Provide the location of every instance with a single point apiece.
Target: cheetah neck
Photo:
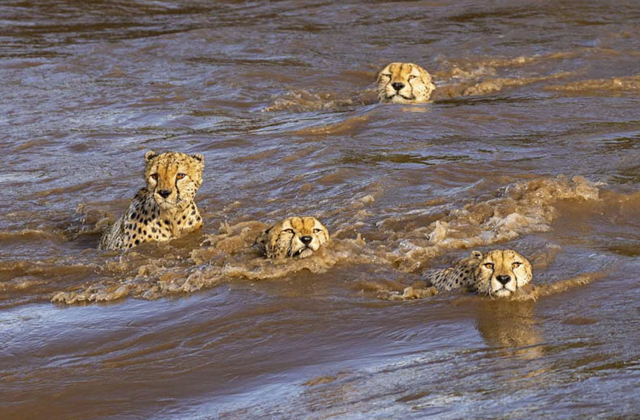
(173, 221)
(179, 219)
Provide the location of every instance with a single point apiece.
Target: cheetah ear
(150, 155)
(426, 77)
(428, 82)
(476, 254)
(262, 239)
(378, 74)
(198, 157)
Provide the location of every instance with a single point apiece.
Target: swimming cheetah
(497, 273)
(293, 237)
(404, 83)
(165, 208)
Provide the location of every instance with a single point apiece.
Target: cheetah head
(293, 237)
(404, 83)
(501, 272)
(173, 178)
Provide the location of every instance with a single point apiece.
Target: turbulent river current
(532, 142)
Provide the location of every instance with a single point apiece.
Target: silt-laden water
(531, 144)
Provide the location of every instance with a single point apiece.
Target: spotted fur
(497, 273)
(404, 83)
(296, 237)
(163, 210)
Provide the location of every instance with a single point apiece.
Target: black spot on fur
(134, 215)
(137, 241)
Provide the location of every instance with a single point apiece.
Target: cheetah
(404, 83)
(296, 237)
(497, 273)
(165, 208)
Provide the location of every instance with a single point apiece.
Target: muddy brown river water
(532, 143)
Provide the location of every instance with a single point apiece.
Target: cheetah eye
(316, 230)
(489, 266)
(154, 177)
(180, 175)
(516, 264)
(411, 77)
(290, 231)
(387, 75)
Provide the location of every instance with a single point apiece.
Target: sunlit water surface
(531, 144)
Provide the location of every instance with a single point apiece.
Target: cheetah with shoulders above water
(500, 273)
(165, 208)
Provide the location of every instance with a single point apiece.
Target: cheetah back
(461, 275)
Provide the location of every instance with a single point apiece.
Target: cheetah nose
(503, 279)
(397, 85)
(306, 240)
(164, 193)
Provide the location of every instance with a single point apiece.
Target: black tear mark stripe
(290, 250)
(409, 78)
(409, 82)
